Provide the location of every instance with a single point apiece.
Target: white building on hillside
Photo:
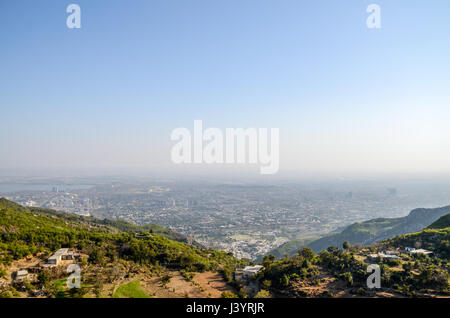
(412, 250)
(59, 255)
(251, 271)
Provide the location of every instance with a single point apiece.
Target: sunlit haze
(347, 99)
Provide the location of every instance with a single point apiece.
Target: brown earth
(203, 285)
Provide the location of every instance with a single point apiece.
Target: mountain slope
(435, 238)
(116, 258)
(338, 272)
(375, 230)
(118, 225)
(441, 223)
(29, 231)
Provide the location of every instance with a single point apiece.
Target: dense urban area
(247, 219)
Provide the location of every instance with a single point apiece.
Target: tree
(266, 284)
(243, 293)
(347, 277)
(166, 279)
(78, 292)
(346, 245)
(263, 294)
(6, 294)
(52, 289)
(44, 277)
(228, 294)
(226, 273)
(306, 253)
(268, 260)
(284, 281)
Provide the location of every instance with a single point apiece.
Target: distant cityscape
(246, 219)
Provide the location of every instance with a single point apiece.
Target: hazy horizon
(348, 100)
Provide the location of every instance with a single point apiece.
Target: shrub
(228, 294)
(263, 294)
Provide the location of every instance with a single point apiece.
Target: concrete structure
(412, 250)
(251, 271)
(59, 255)
(389, 256)
(21, 275)
(247, 272)
(380, 256)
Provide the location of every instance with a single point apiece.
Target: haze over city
(348, 100)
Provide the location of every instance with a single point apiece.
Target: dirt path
(213, 284)
(208, 284)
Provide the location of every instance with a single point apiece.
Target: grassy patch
(131, 290)
(60, 284)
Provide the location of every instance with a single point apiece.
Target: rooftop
(255, 268)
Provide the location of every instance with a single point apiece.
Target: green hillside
(121, 259)
(119, 225)
(338, 272)
(368, 232)
(26, 231)
(441, 223)
(435, 238)
(288, 248)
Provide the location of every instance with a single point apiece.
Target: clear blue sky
(346, 98)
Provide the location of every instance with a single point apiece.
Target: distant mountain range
(368, 232)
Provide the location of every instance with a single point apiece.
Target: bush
(284, 281)
(6, 294)
(189, 276)
(306, 253)
(166, 279)
(263, 294)
(228, 294)
(347, 277)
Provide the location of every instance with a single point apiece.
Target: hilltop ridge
(111, 252)
(371, 231)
